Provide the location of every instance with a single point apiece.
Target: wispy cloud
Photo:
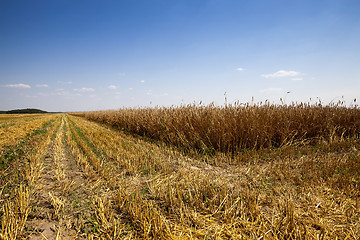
(42, 85)
(65, 82)
(84, 89)
(113, 87)
(240, 69)
(120, 74)
(18, 85)
(270, 90)
(297, 79)
(281, 73)
(142, 81)
(131, 89)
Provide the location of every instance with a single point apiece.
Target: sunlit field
(239, 171)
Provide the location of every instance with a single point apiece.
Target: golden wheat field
(241, 171)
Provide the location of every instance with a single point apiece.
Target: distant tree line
(23, 111)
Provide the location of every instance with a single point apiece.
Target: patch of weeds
(208, 151)
(207, 237)
(303, 176)
(76, 204)
(5, 125)
(145, 190)
(94, 225)
(148, 171)
(10, 154)
(342, 171)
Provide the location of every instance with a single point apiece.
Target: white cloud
(240, 69)
(19, 85)
(142, 81)
(84, 89)
(64, 82)
(131, 89)
(281, 73)
(113, 87)
(271, 90)
(297, 79)
(42, 85)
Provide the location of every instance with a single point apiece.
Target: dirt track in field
(61, 204)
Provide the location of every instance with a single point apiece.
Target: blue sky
(65, 55)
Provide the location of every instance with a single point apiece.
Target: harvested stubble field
(191, 172)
